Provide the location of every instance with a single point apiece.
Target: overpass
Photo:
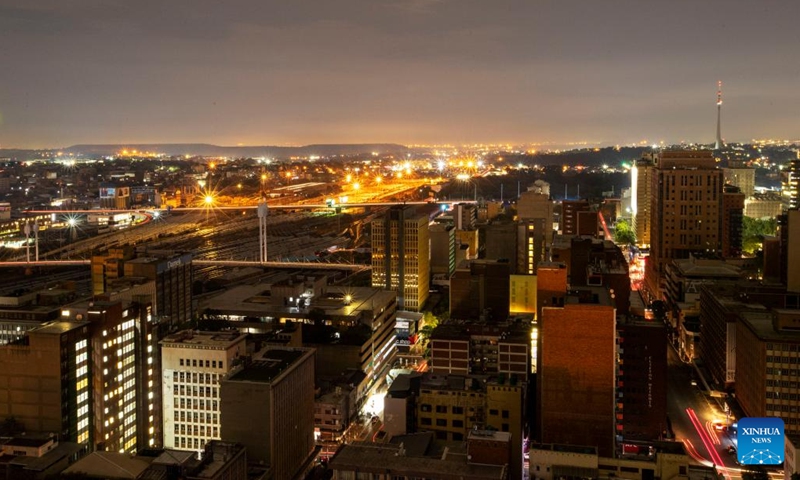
(215, 263)
(291, 206)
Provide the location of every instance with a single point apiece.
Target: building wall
(501, 243)
(793, 251)
(45, 385)
(732, 213)
(642, 380)
(743, 178)
(687, 211)
(505, 411)
(751, 376)
(191, 376)
(401, 256)
(273, 420)
(450, 356)
(642, 200)
(522, 294)
(576, 375)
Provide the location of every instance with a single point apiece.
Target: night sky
(291, 72)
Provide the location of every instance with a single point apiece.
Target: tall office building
(570, 213)
(641, 379)
(687, 211)
(767, 346)
(443, 249)
(642, 198)
(792, 244)
(732, 221)
(479, 289)
(45, 381)
(193, 365)
(268, 406)
(400, 256)
(125, 373)
(576, 371)
(171, 272)
(790, 183)
(535, 228)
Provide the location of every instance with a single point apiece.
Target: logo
(761, 441)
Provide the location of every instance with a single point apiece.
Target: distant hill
(207, 150)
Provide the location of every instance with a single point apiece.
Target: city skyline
(410, 72)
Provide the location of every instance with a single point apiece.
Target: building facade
(193, 364)
(401, 256)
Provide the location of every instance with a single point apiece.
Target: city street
(696, 419)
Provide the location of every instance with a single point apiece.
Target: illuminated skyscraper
(400, 256)
(642, 199)
(790, 183)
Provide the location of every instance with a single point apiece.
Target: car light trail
(708, 443)
(694, 454)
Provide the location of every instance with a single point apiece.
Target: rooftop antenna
(719, 143)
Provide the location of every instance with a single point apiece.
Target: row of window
(196, 417)
(196, 430)
(195, 404)
(185, 362)
(194, 377)
(211, 392)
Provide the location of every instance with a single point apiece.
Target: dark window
(493, 411)
(505, 413)
(441, 422)
(424, 420)
(458, 410)
(441, 408)
(458, 423)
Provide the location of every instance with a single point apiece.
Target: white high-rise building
(192, 365)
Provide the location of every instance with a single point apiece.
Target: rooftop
(58, 328)
(215, 340)
(387, 458)
(269, 365)
(109, 465)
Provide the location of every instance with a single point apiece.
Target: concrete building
(790, 183)
(171, 272)
(443, 249)
(115, 196)
(500, 243)
(465, 216)
(400, 256)
(641, 379)
(216, 460)
(522, 294)
(23, 311)
(482, 349)
(642, 174)
(570, 210)
(370, 461)
(535, 228)
(268, 407)
(452, 406)
(479, 289)
(732, 212)
(687, 211)
(763, 205)
(767, 352)
(792, 245)
(576, 371)
(193, 364)
(657, 460)
(126, 372)
(36, 457)
(684, 281)
(365, 319)
(45, 381)
(743, 178)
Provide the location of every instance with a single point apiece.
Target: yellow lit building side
(522, 294)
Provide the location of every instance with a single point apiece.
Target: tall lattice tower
(719, 144)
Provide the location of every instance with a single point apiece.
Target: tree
(623, 233)
(754, 230)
